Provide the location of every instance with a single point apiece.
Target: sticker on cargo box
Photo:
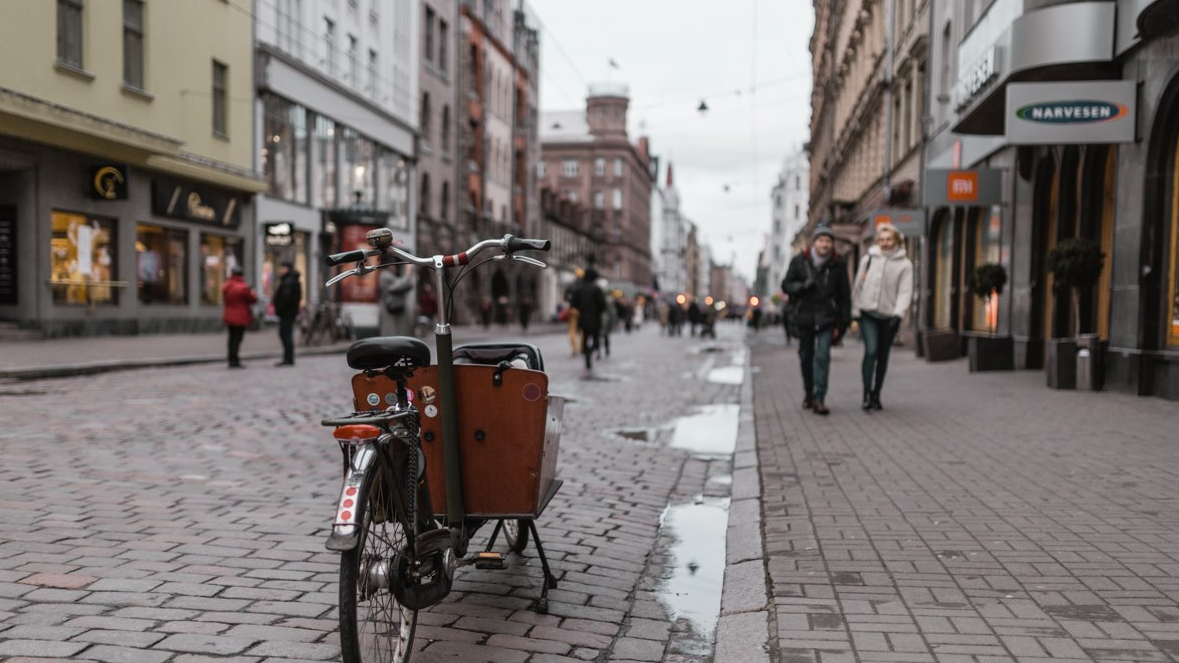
(428, 394)
(431, 411)
(374, 399)
(532, 392)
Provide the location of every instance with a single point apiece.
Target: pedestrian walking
(237, 297)
(573, 316)
(396, 318)
(590, 302)
(820, 296)
(787, 324)
(882, 293)
(609, 320)
(288, 294)
(525, 313)
(485, 312)
(694, 317)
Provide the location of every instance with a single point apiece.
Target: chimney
(669, 182)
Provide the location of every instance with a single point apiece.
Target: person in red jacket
(237, 296)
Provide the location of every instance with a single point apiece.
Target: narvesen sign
(1069, 113)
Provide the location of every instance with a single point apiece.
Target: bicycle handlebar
(508, 244)
(351, 256)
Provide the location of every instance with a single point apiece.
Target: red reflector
(350, 491)
(346, 515)
(348, 504)
(357, 433)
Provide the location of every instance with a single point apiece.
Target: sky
(748, 60)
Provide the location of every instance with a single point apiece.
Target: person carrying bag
(881, 295)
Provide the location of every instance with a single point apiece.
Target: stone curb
(743, 632)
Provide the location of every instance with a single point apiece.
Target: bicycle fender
(345, 530)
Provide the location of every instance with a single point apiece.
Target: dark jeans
(235, 344)
(814, 353)
(589, 345)
(286, 333)
(878, 334)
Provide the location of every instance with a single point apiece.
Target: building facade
(588, 157)
(790, 197)
(1067, 178)
(867, 106)
(438, 162)
(337, 107)
(127, 166)
(671, 241)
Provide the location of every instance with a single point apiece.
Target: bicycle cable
(462, 274)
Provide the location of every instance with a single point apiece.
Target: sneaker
(807, 403)
(821, 409)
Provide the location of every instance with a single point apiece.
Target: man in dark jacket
(820, 301)
(287, 296)
(590, 302)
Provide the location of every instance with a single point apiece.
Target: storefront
(88, 246)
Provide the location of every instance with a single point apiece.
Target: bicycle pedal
(491, 560)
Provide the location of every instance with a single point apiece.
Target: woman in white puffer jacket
(881, 295)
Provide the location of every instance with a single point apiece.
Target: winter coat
(237, 296)
(590, 302)
(287, 295)
(820, 297)
(884, 284)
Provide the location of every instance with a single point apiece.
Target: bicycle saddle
(384, 351)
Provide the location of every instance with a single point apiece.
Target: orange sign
(962, 186)
(881, 218)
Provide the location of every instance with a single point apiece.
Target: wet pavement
(177, 513)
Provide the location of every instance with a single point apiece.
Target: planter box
(991, 353)
(1090, 363)
(940, 345)
(1060, 363)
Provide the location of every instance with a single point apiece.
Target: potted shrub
(990, 353)
(1075, 265)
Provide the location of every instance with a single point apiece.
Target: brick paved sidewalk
(978, 518)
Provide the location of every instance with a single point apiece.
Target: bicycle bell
(379, 238)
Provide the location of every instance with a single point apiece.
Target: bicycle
(325, 321)
(481, 405)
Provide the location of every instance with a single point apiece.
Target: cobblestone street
(180, 513)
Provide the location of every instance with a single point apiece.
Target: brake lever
(529, 261)
(341, 276)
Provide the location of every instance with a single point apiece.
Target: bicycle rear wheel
(516, 534)
(374, 627)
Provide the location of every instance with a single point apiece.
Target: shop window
(1173, 287)
(284, 155)
(82, 259)
(599, 167)
(395, 191)
(279, 249)
(161, 264)
(359, 168)
(219, 255)
(943, 295)
(987, 247)
(220, 99)
(324, 191)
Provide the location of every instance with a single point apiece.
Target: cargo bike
(431, 453)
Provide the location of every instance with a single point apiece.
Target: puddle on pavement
(711, 431)
(697, 558)
(734, 374)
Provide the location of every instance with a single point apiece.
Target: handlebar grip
(521, 244)
(347, 256)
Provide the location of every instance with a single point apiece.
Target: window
(424, 198)
(324, 191)
(69, 32)
(284, 153)
(569, 168)
(443, 41)
(428, 39)
(571, 195)
(289, 13)
(599, 200)
(424, 121)
(353, 63)
(161, 264)
(617, 166)
(446, 128)
(133, 43)
(358, 167)
(82, 259)
(219, 255)
(599, 167)
(540, 168)
(220, 99)
(988, 230)
(796, 212)
(373, 85)
(329, 46)
(395, 196)
(797, 184)
(444, 206)
(617, 199)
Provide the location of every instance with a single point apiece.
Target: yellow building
(126, 162)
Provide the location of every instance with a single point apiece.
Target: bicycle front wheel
(374, 627)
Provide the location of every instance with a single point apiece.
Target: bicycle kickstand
(550, 581)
